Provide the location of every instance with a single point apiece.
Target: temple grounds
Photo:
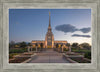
(49, 55)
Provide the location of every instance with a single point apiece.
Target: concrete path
(49, 56)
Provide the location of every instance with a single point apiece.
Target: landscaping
(76, 57)
(73, 53)
(18, 60)
(80, 60)
(87, 53)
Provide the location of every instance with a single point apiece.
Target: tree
(61, 45)
(68, 45)
(36, 44)
(75, 45)
(57, 45)
(12, 44)
(41, 44)
(23, 44)
(29, 44)
(85, 46)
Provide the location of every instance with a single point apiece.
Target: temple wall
(42, 41)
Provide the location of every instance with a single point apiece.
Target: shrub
(65, 49)
(24, 49)
(19, 60)
(33, 49)
(16, 51)
(11, 55)
(81, 51)
(88, 55)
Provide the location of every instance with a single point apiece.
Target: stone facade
(49, 39)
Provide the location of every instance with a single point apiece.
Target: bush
(81, 51)
(33, 49)
(16, 51)
(24, 49)
(65, 49)
(11, 55)
(88, 55)
(19, 60)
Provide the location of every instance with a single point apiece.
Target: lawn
(87, 53)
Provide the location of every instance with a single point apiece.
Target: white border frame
(6, 65)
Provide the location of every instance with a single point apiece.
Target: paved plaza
(49, 56)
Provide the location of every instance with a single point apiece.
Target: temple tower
(49, 39)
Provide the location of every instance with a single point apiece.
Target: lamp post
(28, 48)
(62, 47)
(36, 46)
(31, 48)
(70, 48)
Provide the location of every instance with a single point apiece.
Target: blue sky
(31, 24)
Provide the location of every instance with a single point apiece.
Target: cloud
(70, 28)
(85, 30)
(77, 35)
(66, 28)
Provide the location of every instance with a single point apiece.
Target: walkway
(49, 56)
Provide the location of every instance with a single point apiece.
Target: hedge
(16, 51)
(88, 55)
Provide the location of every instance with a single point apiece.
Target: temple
(49, 41)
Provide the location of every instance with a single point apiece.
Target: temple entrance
(49, 46)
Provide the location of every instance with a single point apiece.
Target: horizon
(72, 25)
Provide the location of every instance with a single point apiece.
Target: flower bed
(18, 60)
(80, 59)
(21, 57)
(76, 57)
(11, 56)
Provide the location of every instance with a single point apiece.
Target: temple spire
(49, 20)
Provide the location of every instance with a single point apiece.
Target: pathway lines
(49, 56)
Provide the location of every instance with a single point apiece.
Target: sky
(72, 25)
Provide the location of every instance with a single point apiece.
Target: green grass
(81, 51)
(86, 52)
(16, 51)
(88, 55)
